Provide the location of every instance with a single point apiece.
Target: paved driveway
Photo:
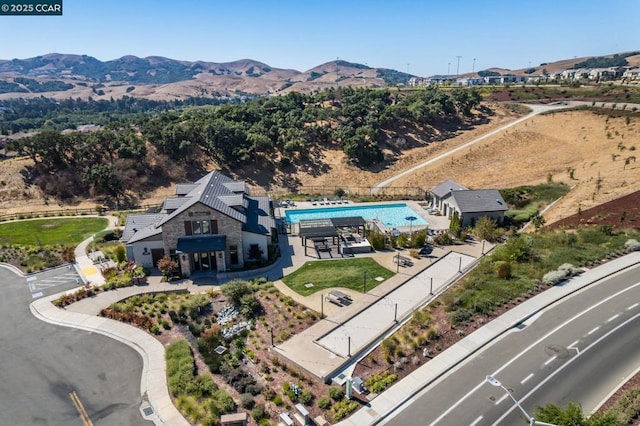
(41, 365)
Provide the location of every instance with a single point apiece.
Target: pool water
(389, 214)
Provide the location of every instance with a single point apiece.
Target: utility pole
(448, 68)
(473, 69)
(458, 66)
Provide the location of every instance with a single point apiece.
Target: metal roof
(339, 222)
(314, 228)
(138, 222)
(479, 200)
(446, 187)
(236, 186)
(208, 190)
(174, 203)
(185, 188)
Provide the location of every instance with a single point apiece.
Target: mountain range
(68, 75)
(164, 78)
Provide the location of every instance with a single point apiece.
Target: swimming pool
(389, 214)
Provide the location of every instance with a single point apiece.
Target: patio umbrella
(410, 219)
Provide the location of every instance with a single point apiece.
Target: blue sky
(424, 37)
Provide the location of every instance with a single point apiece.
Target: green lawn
(347, 273)
(43, 232)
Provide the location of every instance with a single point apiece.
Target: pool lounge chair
(326, 201)
(313, 201)
(345, 200)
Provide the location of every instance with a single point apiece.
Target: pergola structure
(319, 230)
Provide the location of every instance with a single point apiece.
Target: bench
(333, 299)
(402, 261)
(343, 298)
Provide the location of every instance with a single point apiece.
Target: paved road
(535, 110)
(597, 326)
(41, 364)
(53, 281)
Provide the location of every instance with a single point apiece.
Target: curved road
(577, 350)
(535, 110)
(41, 365)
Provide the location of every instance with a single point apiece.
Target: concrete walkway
(153, 384)
(385, 404)
(87, 269)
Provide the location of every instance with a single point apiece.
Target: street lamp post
(532, 421)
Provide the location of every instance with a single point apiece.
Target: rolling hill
(62, 76)
(154, 77)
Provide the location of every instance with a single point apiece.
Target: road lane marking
(573, 346)
(523, 381)
(505, 396)
(476, 421)
(563, 366)
(550, 360)
(32, 279)
(613, 317)
(86, 421)
(593, 331)
(455, 405)
(635, 305)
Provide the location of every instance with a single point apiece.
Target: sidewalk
(388, 402)
(153, 384)
(84, 265)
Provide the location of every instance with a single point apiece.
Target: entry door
(156, 255)
(205, 261)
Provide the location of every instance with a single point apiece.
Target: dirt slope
(580, 148)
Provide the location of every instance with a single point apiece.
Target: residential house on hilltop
(211, 225)
(471, 204)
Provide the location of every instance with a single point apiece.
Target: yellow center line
(86, 421)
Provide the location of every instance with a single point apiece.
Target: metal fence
(410, 192)
(66, 212)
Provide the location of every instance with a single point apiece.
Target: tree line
(21, 115)
(280, 131)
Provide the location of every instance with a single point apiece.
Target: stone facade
(174, 229)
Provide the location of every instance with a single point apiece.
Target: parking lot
(53, 281)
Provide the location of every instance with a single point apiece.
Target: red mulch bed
(623, 212)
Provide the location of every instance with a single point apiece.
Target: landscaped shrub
(460, 316)
(632, 244)
(504, 270)
(563, 272)
(343, 408)
(324, 403)
(180, 367)
(336, 393)
(259, 412)
(247, 401)
(306, 396)
(379, 382)
(377, 240)
(443, 239)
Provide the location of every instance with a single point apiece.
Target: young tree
(487, 229)
(167, 266)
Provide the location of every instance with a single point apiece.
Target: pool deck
(435, 222)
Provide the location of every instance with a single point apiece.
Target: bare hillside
(592, 153)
